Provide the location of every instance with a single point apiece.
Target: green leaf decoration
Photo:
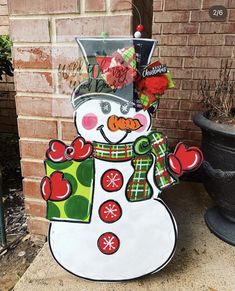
(5, 56)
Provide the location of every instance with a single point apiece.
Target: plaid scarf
(117, 153)
(142, 153)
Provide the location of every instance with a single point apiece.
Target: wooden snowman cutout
(108, 222)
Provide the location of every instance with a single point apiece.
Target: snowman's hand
(184, 159)
(55, 188)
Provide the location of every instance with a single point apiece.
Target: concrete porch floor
(201, 262)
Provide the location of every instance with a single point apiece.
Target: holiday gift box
(75, 180)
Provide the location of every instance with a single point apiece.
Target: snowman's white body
(147, 230)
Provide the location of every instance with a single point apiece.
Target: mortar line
(43, 95)
(82, 7)
(108, 6)
(52, 30)
(31, 179)
(38, 161)
(42, 118)
(37, 218)
(59, 130)
(29, 199)
(44, 44)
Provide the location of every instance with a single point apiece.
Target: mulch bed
(15, 218)
(21, 249)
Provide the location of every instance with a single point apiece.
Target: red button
(110, 211)
(108, 243)
(112, 180)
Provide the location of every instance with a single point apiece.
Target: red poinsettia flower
(156, 85)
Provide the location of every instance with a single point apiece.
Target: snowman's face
(110, 121)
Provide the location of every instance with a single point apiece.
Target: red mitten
(184, 159)
(55, 188)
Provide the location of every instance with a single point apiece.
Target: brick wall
(4, 19)
(43, 34)
(193, 45)
(8, 123)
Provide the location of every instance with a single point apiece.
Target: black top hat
(95, 87)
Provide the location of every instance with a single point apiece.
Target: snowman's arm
(163, 177)
(169, 167)
(157, 182)
(161, 173)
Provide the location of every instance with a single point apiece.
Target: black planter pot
(218, 146)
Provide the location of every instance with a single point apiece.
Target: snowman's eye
(105, 107)
(125, 108)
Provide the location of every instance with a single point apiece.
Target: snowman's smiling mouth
(100, 128)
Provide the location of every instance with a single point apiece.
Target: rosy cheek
(143, 120)
(89, 121)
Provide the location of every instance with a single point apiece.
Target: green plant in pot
(218, 146)
(5, 56)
